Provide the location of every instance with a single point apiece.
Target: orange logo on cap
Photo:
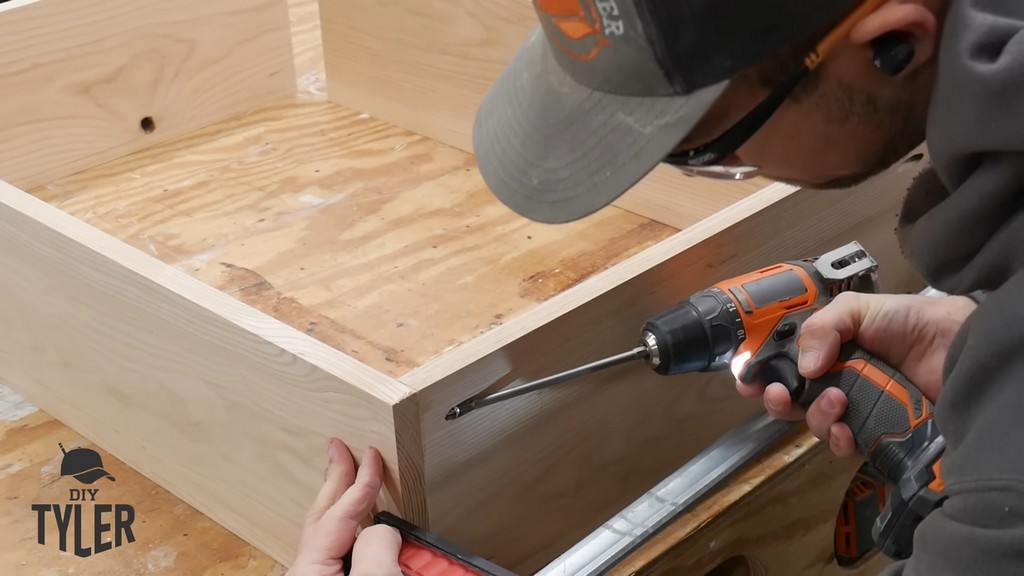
(581, 31)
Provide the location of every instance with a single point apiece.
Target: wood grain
(171, 536)
(426, 65)
(77, 78)
(422, 65)
(223, 405)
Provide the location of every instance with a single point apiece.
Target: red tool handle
(415, 559)
(426, 554)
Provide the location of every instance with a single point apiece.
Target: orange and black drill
(751, 323)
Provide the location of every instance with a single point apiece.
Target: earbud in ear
(893, 52)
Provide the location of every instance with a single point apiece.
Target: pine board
(80, 78)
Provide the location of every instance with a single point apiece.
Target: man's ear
(911, 22)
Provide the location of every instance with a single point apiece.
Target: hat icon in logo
(84, 464)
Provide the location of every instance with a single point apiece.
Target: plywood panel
(375, 241)
(425, 65)
(218, 402)
(78, 78)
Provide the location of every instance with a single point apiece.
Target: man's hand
(333, 522)
(912, 333)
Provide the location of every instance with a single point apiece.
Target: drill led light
(739, 363)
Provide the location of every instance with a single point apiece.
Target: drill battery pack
(425, 554)
(864, 501)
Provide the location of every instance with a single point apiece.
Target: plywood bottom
(380, 243)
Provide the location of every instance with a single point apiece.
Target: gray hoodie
(962, 227)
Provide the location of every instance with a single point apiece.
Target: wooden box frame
(153, 317)
(252, 405)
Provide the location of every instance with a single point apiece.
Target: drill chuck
(698, 335)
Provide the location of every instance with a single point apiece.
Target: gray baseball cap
(604, 90)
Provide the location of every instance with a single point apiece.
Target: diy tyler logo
(70, 520)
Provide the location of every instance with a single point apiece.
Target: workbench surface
(171, 537)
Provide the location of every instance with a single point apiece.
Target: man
(608, 89)
(821, 93)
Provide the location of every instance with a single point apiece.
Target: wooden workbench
(171, 536)
(250, 206)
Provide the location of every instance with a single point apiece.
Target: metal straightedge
(632, 527)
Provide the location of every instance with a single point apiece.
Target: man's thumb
(824, 332)
(375, 552)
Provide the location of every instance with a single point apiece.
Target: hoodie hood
(962, 225)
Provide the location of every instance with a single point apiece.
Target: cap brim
(555, 151)
(90, 476)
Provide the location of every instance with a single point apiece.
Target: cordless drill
(751, 323)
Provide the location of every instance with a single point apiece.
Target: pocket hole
(147, 124)
(914, 158)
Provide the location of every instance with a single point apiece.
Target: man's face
(848, 124)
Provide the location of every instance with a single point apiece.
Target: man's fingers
(841, 441)
(823, 333)
(777, 401)
(749, 390)
(342, 519)
(824, 419)
(355, 504)
(341, 472)
(826, 411)
(779, 404)
(375, 552)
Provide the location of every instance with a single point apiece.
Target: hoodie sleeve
(962, 227)
(980, 527)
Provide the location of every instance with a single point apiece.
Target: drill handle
(883, 408)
